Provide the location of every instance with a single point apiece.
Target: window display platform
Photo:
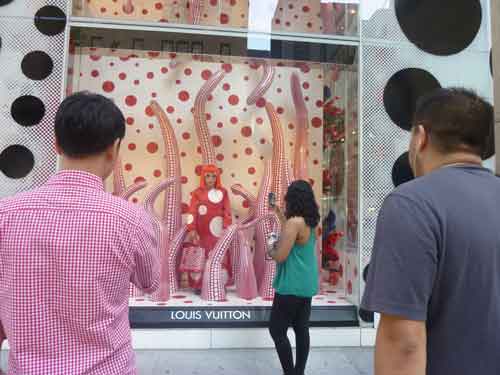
(187, 310)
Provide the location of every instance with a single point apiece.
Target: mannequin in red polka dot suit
(209, 215)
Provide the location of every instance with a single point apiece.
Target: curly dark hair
(300, 202)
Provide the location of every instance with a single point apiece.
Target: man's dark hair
(457, 120)
(87, 124)
(300, 202)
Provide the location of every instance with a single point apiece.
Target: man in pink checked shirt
(68, 251)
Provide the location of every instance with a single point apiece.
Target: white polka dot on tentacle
(202, 210)
(189, 219)
(216, 226)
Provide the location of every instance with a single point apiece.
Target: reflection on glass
(291, 16)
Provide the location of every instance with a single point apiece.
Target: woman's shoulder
(297, 221)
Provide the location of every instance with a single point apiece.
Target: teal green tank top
(298, 275)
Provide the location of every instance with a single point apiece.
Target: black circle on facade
(37, 65)
(16, 161)
(402, 92)
(5, 2)
(401, 171)
(443, 27)
(50, 20)
(27, 110)
(491, 62)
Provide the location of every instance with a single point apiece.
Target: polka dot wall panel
(408, 49)
(31, 77)
(241, 133)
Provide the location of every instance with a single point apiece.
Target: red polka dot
(164, 70)
(235, 156)
(184, 208)
(305, 85)
(220, 157)
(184, 180)
(198, 149)
(131, 100)
(95, 57)
(145, 11)
(128, 167)
(315, 162)
(291, 126)
(248, 151)
(316, 122)
(159, 6)
(246, 204)
(305, 9)
(183, 154)
(135, 200)
(149, 111)
(234, 120)
(151, 126)
(132, 146)
(261, 102)
(206, 74)
(136, 82)
(279, 90)
(246, 78)
(216, 140)
(108, 86)
(197, 170)
(309, 25)
(319, 103)
(150, 75)
(178, 82)
(280, 110)
(259, 120)
(246, 131)
(94, 73)
(184, 96)
(262, 141)
(208, 116)
(233, 100)
(287, 23)
(152, 147)
(186, 135)
(277, 21)
(213, 2)
(170, 109)
(305, 68)
(220, 125)
(349, 287)
(157, 173)
(130, 120)
(188, 71)
(224, 18)
(153, 94)
(251, 170)
(232, 2)
(227, 68)
(226, 86)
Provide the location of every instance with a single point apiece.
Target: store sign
(211, 315)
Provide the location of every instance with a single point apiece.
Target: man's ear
(422, 137)
(113, 150)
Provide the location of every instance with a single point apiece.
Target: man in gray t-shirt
(435, 269)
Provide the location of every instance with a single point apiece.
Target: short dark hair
(87, 124)
(457, 119)
(300, 202)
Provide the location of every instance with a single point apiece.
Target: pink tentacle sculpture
(195, 10)
(264, 84)
(173, 195)
(327, 12)
(263, 229)
(239, 190)
(128, 7)
(302, 137)
(174, 253)
(162, 233)
(200, 121)
(213, 288)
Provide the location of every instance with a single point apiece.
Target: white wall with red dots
(294, 16)
(240, 133)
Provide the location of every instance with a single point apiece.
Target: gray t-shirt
(436, 258)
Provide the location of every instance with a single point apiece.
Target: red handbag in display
(193, 259)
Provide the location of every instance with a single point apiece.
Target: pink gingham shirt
(68, 251)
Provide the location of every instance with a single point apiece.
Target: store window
(192, 100)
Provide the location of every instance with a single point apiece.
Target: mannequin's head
(210, 177)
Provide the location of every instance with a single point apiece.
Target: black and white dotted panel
(32, 50)
(409, 49)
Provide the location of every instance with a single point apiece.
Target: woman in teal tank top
(297, 275)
